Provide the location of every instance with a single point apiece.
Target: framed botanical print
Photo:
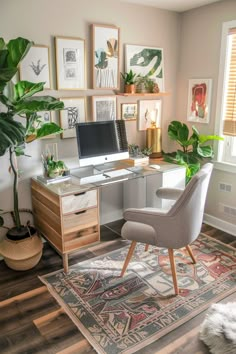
(145, 61)
(129, 111)
(199, 99)
(105, 55)
(35, 66)
(74, 112)
(149, 114)
(70, 62)
(104, 108)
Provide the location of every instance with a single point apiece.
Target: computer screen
(101, 142)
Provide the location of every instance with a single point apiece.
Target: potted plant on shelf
(20, 125)
(194, 148)
(129, 81)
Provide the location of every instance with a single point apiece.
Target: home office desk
(69, 213)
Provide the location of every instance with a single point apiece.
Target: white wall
(199, 58)
(42, 20)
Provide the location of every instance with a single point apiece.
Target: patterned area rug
(122, 315)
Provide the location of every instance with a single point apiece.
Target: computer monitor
(101, 142)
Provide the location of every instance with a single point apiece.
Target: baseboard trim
(220, 224)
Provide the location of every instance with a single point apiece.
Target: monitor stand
(106, 166)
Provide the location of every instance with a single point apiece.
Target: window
(226, 102)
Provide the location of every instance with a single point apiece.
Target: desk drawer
(78, 201)
(75, 240)
(80, 220)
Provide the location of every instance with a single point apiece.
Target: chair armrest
(169, 193)
(145, 215)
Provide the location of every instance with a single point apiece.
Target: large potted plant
(194, 149)
(20, 125)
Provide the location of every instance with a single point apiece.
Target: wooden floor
(31, 321)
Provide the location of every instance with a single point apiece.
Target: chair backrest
(186, 215)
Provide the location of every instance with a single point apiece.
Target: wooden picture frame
(35, 67)
(145, 61)
(129, 111)
(149, 114)
(104, 108)
(105, 57)
(199, 100)
(74, 112)
(70, 63)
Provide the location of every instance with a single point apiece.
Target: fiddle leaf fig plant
(194, 148)
(20, 123)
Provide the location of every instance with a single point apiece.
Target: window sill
(224, 166)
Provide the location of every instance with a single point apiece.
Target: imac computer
(101, 142)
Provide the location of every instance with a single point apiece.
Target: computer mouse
(156, 167)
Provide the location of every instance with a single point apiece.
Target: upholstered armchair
(176, 228)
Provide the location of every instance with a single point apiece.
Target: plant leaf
(38, 104)
(205, 151)
(25, 89)
(18, 48)
(11, 132)
(48, 129)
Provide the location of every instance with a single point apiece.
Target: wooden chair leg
(128, 257)
(190, 252)
(173, 270)
(146, 247)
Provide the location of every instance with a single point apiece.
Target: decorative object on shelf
(35, 67)
(129, 111)
(149, 113)
(74, 112)
(70, 62)
(104, 108)
(146, 84)
(137, 153)
(146, 61)
(106, 52)
(194, 151)
(130, 79)
(199, 100)
(16, 132)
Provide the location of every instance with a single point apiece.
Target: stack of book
(138, 161)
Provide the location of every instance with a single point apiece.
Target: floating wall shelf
(142, 94)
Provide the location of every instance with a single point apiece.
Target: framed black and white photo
(149, 114)
(106, 52)
(145, 61)
(35, 66)
(70, 62)
(104, 108)
(74, 112)
(129, 111)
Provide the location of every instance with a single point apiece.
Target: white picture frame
(35, 67)
(70, 63)
(142, 64)
(106, 57)
(74, 112)
(104, 108)
(129, 111)
(149, 114)
(199, 100)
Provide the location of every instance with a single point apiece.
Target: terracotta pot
(24, 253)
(130, 88)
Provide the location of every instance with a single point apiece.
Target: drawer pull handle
(80, 212)
(76, 195)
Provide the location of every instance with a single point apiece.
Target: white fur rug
(218, 331)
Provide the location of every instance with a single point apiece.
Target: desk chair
(172, 229)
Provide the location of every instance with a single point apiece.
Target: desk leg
(65, 262)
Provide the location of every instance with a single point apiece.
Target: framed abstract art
(149, 114)
(104, 108)
(74, 112)
(199, 99)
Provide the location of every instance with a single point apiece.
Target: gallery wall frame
(74, 112)
(199, 100)
(149, 114)
(70, 63)
(104, 107)
(106, 56)
(145, 60)
(129, 111)
(35, 67)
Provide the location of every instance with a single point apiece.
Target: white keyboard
(117, 173)
(92, 179)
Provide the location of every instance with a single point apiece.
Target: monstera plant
(20, 123)
(194, 148)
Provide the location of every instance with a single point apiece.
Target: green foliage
(129, 77)
(193, 149)
(19, 120)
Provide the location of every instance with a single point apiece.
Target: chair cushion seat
(139, 232)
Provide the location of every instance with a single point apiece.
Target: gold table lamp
(153, 140)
